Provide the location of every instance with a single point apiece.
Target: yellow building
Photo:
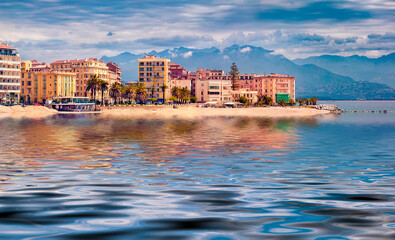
(84, 69)
(153, 73)
(40, 83)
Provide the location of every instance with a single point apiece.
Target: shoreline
(166, 112)
(191, 111)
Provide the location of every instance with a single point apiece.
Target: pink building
(177, 71)
(114, 72)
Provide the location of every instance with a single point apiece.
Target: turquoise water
(90, 177)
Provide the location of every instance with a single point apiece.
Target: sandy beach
(26, 112)
(163, 112)
(191, 111)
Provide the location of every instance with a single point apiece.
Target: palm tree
(175, 91)
(141, 92)
(92, 86)
(291, 102)
(115, 91)
(130, 92)
(164, 87)
(152, 92)
(314, 100)
(184, 93)
(103, 86)
(300, 101)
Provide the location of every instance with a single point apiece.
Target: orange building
(40, 83)
(84, 69)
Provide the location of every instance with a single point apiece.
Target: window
(23, 83)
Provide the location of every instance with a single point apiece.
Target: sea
(329, 177)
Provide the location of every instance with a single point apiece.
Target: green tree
(314, 100)
(152, 92)
(164, 87)
(300, 101)
(176, 91)
(193, 99)
(130, 92)
(291, 102)
(103, 86)
(92, 86)
(185, 93)
(282, 102)
(141, 92)
(243, 99)
(115, 91)
(173, 99)
(234, 75)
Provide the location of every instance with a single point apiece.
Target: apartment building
(153, 72)
(39, 82)
(275, 85)
(84, 69)
(10, 75)
(213, 90)
(177, 71)
(114, 73)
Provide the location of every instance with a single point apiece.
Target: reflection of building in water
(97, 142)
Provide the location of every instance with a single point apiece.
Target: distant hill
(360, 68)
(311, 80)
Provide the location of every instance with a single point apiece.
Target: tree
(173, 99)
(193, 99)
(164, 87)
(103, 86)
(314, 100)
(115, 91)
(184, 93)
(93, 85)
(291, 102)
(282, 102)
(300, 101)
(152, 92)
(175, 91)
(243, 99)
(141, 92)
(234, 74)
(130, 92)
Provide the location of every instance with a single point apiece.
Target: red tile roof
(6, 46)
(78, 61)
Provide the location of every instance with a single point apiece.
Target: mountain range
(315, 76)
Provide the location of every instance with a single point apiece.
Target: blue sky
(58, 29)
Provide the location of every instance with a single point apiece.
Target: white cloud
(187, 54)
(245, 50)
(226, 57)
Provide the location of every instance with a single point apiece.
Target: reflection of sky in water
(253, 178)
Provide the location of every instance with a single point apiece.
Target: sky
(49, 30)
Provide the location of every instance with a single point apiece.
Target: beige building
(213, 90)
(250, 95)
(84, 69)
(153, 73)
(10, 75)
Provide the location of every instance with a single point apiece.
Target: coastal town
(159, 81)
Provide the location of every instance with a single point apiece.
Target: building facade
(213, 90)
(153, 72)
(84, 69)
(10, 75)
(40, 82)
(114, 73)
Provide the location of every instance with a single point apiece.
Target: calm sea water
(89, 177)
